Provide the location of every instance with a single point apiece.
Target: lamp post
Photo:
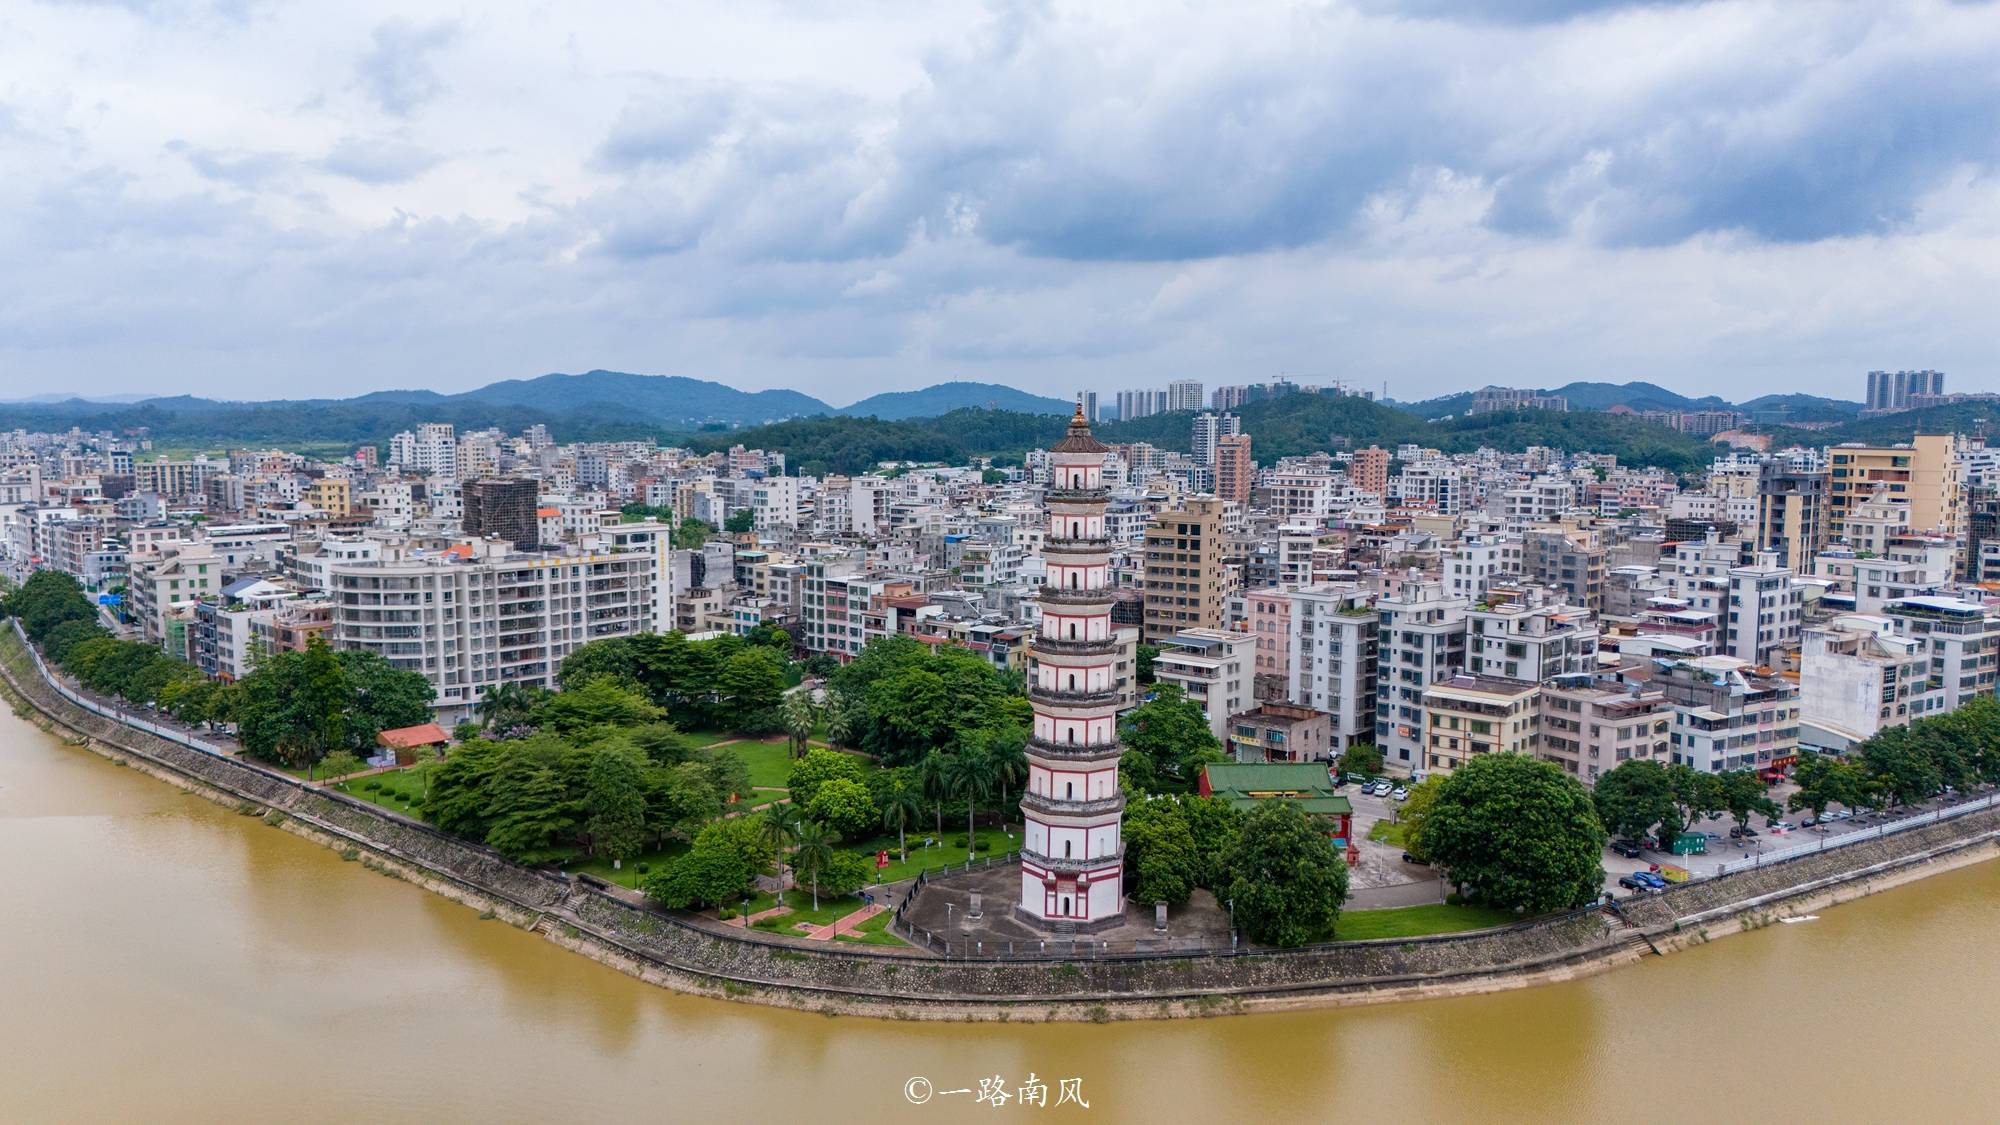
(746, 912)
(1232, 923)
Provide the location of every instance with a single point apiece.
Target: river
(164, 959)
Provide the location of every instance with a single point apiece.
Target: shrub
(645, 869)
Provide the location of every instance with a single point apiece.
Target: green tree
(800, 715)
(1160, 861)
(729, 773)
(1517, 833)
(600, 702)
(846, 873)
(843, 805)
(1696, 795)
(752, 688)
(614, 804)
(1633, 797)
(817, 768)
(970, 774)
(381, 696)
(813, 854)
(1362, 758)
(740, 522)
(681, 798)
(1286, 880)
(709, 874)
(1900, 765)
(1414, 811)
(1145, 655)
(1215, 825)
(744, 835)
(1823, 781)
(531, 810)
(934, 776)
(294, 706)
(512, 704)
(901, 801)
(47, 600)
(613, 658)
(779, 826)
(1743, 793)
(338, 764)
(1167, 742)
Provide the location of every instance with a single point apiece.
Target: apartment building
(1184, 580)
(1727, 715)
(1368, 469)
(1420, 639)
(1331, 653)
(1233, 468)
(1566, 559)
(471, 616)
(1858, 676)
(1466, 715)
(1791, 513)
(1530, 642)
(1477, 561)
(1961, 640)
(1213, 667)
(1923, 474)
(1591, 725)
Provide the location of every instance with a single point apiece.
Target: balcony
(1076, 495)
(1064, 595)
(1056, 806)
(1081, 545)
(1074, 752)
(1071, 698)
(1105, 647)
(1065, 863)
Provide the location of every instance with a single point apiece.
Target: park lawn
(629, 875)
(1415, 921)
(398, 790)
(758, 799)
(831, 909)
(700, 738)
(875, 931)
(992, 841)
(1387, 831)
(770, 762)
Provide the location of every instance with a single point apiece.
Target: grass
(629, 875)
(1388, 832)
(758, 799)
(992, 841)
(770, 762)
(1415, 921)
(831, 909)
(398, 790)
(875, 931)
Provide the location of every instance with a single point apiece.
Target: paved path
(739, 921)
(847, 924)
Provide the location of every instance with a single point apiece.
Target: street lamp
(746, 912)
(1232, 923)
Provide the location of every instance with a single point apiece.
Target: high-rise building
(1072, 854)
(1890, 391)
(1923, 474)
(1140, 404)
(1088, 400)
(1233, 467)
(1184, 575)
(1420, 640)
(1184, 394)
(1369, 470)
(503, 508)
(1209, 429)
(1791, 513)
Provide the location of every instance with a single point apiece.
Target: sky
(251, 199)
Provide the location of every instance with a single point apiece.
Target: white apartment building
(1330, 656)
(1727, 716)
(1961, 640)
(1530, 642)
(1215, 668)
(1420, 639)
(1765, 611)
(1857, 676)
(468, 617)
(1477, 560)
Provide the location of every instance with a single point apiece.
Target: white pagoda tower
(1072, 853)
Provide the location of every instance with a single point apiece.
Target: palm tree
(969, 773)
(839, 721)
(779, 827)
(902, 802)
(813, 853)
(932, 771)
(799, 716)
(505, 704)
(1009, 752)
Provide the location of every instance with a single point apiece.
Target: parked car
(1380, 789)
(1634, 883)
(1785, 826)
(1650, 879)
(1401, 793)
(1408, 858)
(1811, 822)
(1744, 833)
(1844, 814)
(1626, 848)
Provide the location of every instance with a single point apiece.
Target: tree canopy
(1517, 833)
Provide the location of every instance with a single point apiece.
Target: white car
(1401, 793)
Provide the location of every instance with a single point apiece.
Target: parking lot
(1722, 848)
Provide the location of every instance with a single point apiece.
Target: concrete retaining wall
(669, 950)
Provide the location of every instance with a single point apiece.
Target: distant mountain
(943, 398)
(51, 398)
(666, 399)
(1638, 395)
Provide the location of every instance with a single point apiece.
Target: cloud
(396, 73)
(1064, 194)
(379, 160)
